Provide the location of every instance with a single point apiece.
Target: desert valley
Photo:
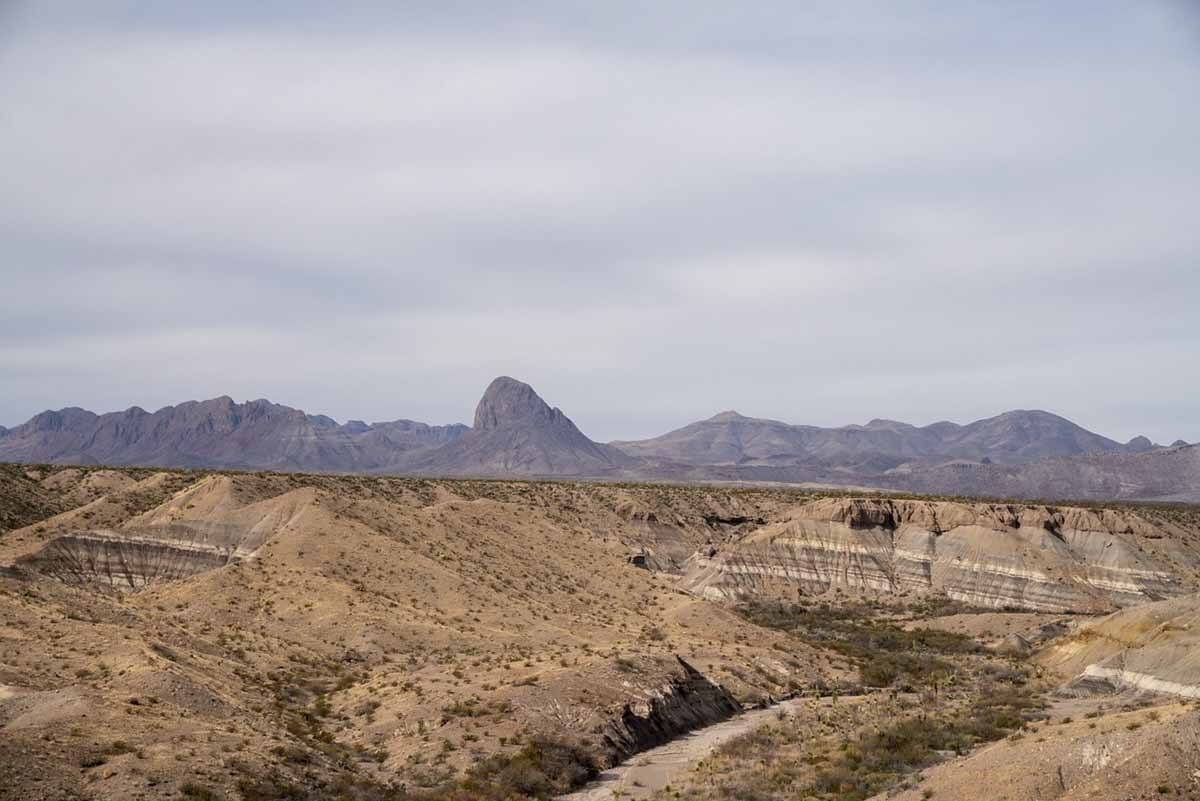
(599, 401)
(199, 632)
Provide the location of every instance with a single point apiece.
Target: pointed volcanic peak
(517, 433)
(508, 401)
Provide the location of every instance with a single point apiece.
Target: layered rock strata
(127, 560)
(987, 555)
(688, 701)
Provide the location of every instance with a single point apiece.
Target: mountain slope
(1164, 473)
(1009, 438)
(1027, 454)
(219, 433)
(517, 433)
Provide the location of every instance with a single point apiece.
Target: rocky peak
(728, 416)
(507, 401)
(63, 419)
(1139, 444)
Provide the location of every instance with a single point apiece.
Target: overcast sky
(816, 212)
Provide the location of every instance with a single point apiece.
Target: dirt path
(645, 773)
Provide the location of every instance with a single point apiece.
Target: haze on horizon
(820, 214)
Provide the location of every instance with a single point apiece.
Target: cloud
(818, 214)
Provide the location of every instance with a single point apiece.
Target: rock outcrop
(688, 701)
(987, 555)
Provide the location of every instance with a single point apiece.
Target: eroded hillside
(1000, 556)
(282, 626)
(240, 633)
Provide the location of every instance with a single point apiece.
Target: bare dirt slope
(399, 630)
(1155, 647)
(1145, 753)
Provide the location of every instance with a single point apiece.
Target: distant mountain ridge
(1010, 438)
(1020, 453)
(220, 433)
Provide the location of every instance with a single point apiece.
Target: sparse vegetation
(884, 653)
(862, 751)
(326, 667)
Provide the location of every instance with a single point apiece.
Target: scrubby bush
(542, 769)
(884, 653)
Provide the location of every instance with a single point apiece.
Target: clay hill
(1152, 647)
(1027, 454)
(986, 555)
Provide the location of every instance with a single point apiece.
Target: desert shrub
(884, 653)
(875, 761)
(541, 770)
(198, 792)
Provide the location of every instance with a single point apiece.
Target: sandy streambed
(643, 774)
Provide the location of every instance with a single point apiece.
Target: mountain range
(1018, 453)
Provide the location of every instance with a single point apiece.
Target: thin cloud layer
(818, 215)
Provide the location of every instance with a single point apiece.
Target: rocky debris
(1136, 754)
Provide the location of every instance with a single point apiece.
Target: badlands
(236, 635)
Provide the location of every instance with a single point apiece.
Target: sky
(821, 213)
